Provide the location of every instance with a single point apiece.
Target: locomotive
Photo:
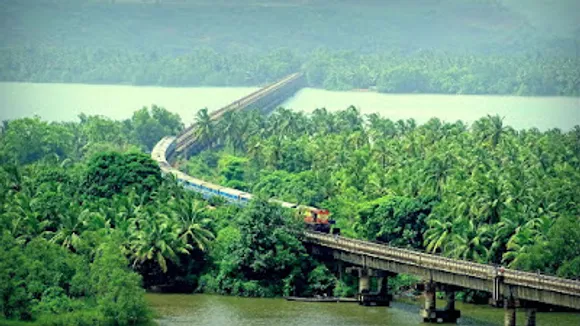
(316, 219)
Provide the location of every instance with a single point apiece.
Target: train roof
(211, 185)
(246, 195)
(189, 178)
(233, 191)
(288, 205)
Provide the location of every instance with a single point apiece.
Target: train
(315, 219)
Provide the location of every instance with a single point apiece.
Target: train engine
(318, 220)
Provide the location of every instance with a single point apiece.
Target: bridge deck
(187, 138)
(524, 285)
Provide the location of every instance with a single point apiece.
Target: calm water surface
(519, 112)
(66, 101)
(211, 310)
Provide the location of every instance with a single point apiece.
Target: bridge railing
(445, 264)
(542, 281)
(186, 139)
(407, 256)
(261, 92)
(247, 98)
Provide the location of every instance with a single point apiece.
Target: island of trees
(88, 221)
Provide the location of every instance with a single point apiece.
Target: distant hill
(175, 27)
(559, 18)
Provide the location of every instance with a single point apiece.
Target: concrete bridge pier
(382, 296)
(340, 268)
(430, 313)
(509, 305)
(531, 309)
(364, 280)
(530, 316)
(449, 313)
(364, 296)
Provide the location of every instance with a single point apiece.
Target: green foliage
(150, 127)
(15, 300)
(555, 252)
(399, 221)
(485, 193)
(231, 169)
(321, 281)
(260, 255)
(402, 282)
(267, 250)
(344, 290)
(117, 289)
(74, 318)
(43, 279)
(65, 256)
(112, 173)
(457, 47)
(30, 139)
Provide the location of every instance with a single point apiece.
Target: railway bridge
(265, 99)
(381, 261)
(439, 273)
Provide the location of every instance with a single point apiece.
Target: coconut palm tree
(438, 234)
(470, 241)
(205, 129)
(193, 222)
(26, 220)
(158, 239)
(228, 129)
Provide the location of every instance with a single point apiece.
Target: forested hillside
(452, 46)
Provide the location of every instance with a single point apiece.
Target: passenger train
(316, 219)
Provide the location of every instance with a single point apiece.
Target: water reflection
(222, 310)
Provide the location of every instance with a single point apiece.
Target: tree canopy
(485, 192)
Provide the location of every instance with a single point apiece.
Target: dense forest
(81, 200)
(87, 221)
(452, 47)
(421, 72)
(485, 192)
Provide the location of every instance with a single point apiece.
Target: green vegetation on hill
(257, 25)
(452, 47)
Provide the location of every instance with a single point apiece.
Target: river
(210, 310)
(66, 101)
